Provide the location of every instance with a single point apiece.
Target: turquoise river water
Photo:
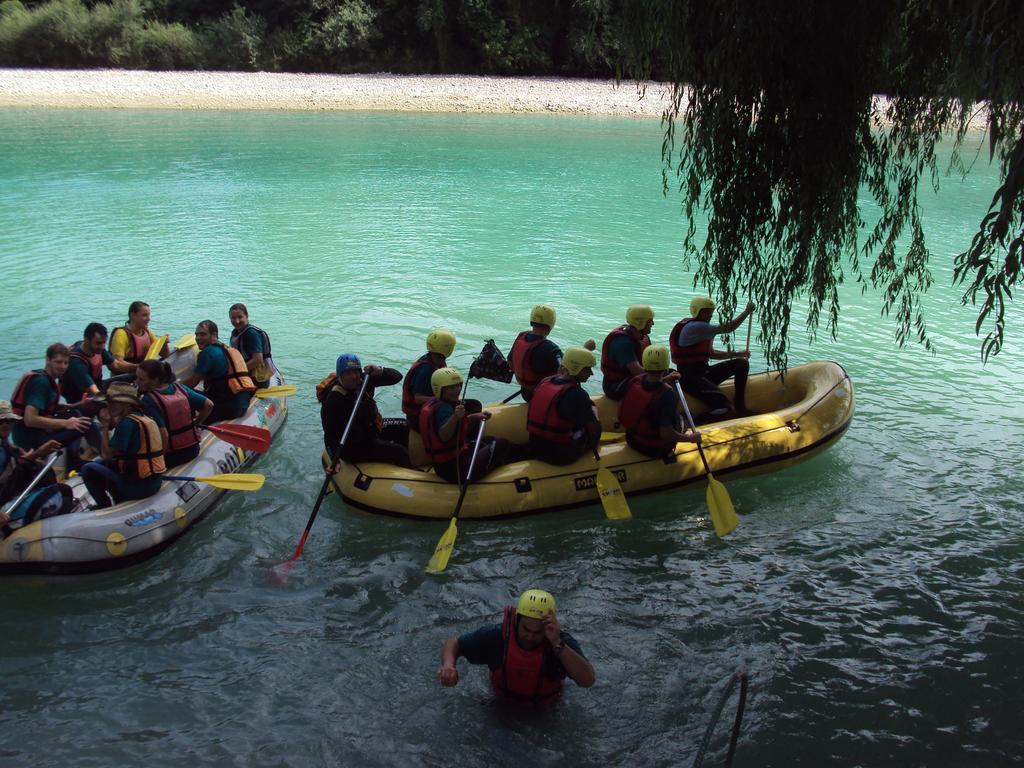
(873, 594)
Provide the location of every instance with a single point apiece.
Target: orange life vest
(150, 458)
(237, 378)
(521, 675)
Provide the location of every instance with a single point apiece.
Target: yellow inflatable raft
(802, 414)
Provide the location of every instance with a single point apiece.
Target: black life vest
(691, 354)
(236, 340)
(613, 371)
(542, 418)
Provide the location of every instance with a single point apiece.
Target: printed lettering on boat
(143, 518)
(228, 463)
(589, 482)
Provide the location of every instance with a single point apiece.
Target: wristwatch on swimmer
(557, 649)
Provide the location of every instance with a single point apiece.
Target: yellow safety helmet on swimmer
(535, 604)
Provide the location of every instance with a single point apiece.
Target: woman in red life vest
(528, 653)
(131, 341)
(692, 346)
(177, 410)
(650, 409)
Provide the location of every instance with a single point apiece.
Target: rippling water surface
(873, 593)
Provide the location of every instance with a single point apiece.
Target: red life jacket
(692, 354)
(636, 412)
(138, 345)
(93, 362)
(521, 674)
(177, 415)
(613, 371)
(440, 451)
(522, 355)
(150, 457)
(543, 419)
(18, 398)
(409, 406)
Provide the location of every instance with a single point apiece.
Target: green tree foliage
(774, 130)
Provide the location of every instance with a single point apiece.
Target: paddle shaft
(335, 458)
(689, 421)
(514, 395)
(35, 481)
(469, 472)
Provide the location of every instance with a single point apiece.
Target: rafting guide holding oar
(528, 653)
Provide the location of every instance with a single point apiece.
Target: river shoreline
(137, 89)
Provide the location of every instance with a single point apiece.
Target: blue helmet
(347, 362)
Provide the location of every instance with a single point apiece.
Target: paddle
(439, 560)
(281, 571)
(237, 482)
(35, 480)
(723, 515)
(282, 390)
(612, 498)
(255, 439)
(156, 348)
(188, 340)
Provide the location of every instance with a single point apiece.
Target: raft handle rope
(741, 678)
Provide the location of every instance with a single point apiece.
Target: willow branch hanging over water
(775, 131)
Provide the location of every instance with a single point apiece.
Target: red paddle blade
(250, 438)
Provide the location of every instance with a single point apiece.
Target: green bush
(51, 35)
(161, 46)
(234, 41)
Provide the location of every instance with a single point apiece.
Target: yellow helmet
(576, 359)
(444, 377)
(656, 358)
(441, 342)
(697, 303)
(639, 315)
(535, 604)
(543, 314)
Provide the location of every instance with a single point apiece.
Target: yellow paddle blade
(236, 482)
(155, 348)
(283, 390)
(612, 498)
(723, 515)
(188, 340)
(443, 550)
(612, 437)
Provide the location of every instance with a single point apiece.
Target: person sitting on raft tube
(416, 389)
(368, 439)
(528, 653)
(131, 341)
(132, 456)
(649, 412)
(177, 410)
(84, 376)
(223, 374)
(623, 348)
(449, 428)
(36, 399)
(18, 467)
(561, 420)
(534, 356)
(253, 343)
(692, 346)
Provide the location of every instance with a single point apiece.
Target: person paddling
(177, 410)
(131, 341)
(692, 346)
(562, 420)
(253, 343)
(36, 399)
(84, 376)
(223, 374)
(132, 455)
(649, 411)
(416, 389)
(368, 438)
(449, 427)
(623, 349)
(534, 356)
(528, 654)
(18, 467)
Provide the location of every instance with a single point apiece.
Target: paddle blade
(443, 550)
(236, 482)
(723, 514)
(156, 348)
(246, 437)
(612, 498)
(188, 340)
(282, 390)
